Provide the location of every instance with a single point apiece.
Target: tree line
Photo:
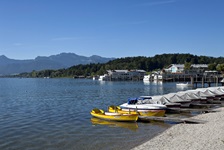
(148, 64)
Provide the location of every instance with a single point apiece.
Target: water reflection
(129, 125)
(146, 82)
(155, 82)
(183, 87)
(153, 87)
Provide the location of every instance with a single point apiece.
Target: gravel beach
(207, 136)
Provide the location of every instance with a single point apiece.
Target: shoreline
(207, 136)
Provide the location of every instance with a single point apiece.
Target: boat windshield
(132, 100)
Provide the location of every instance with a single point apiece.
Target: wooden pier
(195, 80)
(203, 80)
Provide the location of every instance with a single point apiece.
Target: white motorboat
(104, 77)
(95, 77)
(183, 84)
(133, 104)
(146, 78)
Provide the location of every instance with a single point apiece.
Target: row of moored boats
(158, 104)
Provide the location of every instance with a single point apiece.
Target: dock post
(217, 80)
(192, 81)
(202, 82)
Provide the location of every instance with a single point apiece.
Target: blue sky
(111, 28)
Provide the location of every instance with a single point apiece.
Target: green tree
(187, 66)
(212, 66)
(220, 67)
(34, 74)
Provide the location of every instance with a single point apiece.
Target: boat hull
(143, 106)
(157, 113)
(98, 113)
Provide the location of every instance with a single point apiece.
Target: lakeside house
(179, 68)
(119, 75)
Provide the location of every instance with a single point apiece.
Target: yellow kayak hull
(157, 113)
(99, 113)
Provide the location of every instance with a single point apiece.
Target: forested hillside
(146, 63)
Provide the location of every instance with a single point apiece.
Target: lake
(55, 114)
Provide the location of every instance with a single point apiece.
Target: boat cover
(174, 98)
(188, 96)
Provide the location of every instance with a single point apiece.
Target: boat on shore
(157, 113)
(158, 99)
(143, 106)
(189, 96)
(135, 105)
(174, 98)
(217, 91)
(210, 94)
(99, 113)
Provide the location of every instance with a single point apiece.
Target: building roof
(193, 65)
(199, 65)
(126, 71)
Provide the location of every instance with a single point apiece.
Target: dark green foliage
(187, 66)
(145, 63)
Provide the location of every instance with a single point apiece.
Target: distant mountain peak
(96, 56)
(3, 57)
(58, 61)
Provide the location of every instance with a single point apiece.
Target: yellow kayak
(117, 109)
(112, 116)
(157, 112)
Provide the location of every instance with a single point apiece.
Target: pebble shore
(206, 136)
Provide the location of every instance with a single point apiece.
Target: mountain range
(64, 60)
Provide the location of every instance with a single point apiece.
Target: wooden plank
(195, 121)
(189, 110)
(197, 110)
(171, 119)
(204, 105)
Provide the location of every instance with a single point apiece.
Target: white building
(179, 68)
(175, 68)
(124, 75)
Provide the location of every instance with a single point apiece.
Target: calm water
(54, 114)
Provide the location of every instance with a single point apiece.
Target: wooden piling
(202, 82)
(192, 81)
